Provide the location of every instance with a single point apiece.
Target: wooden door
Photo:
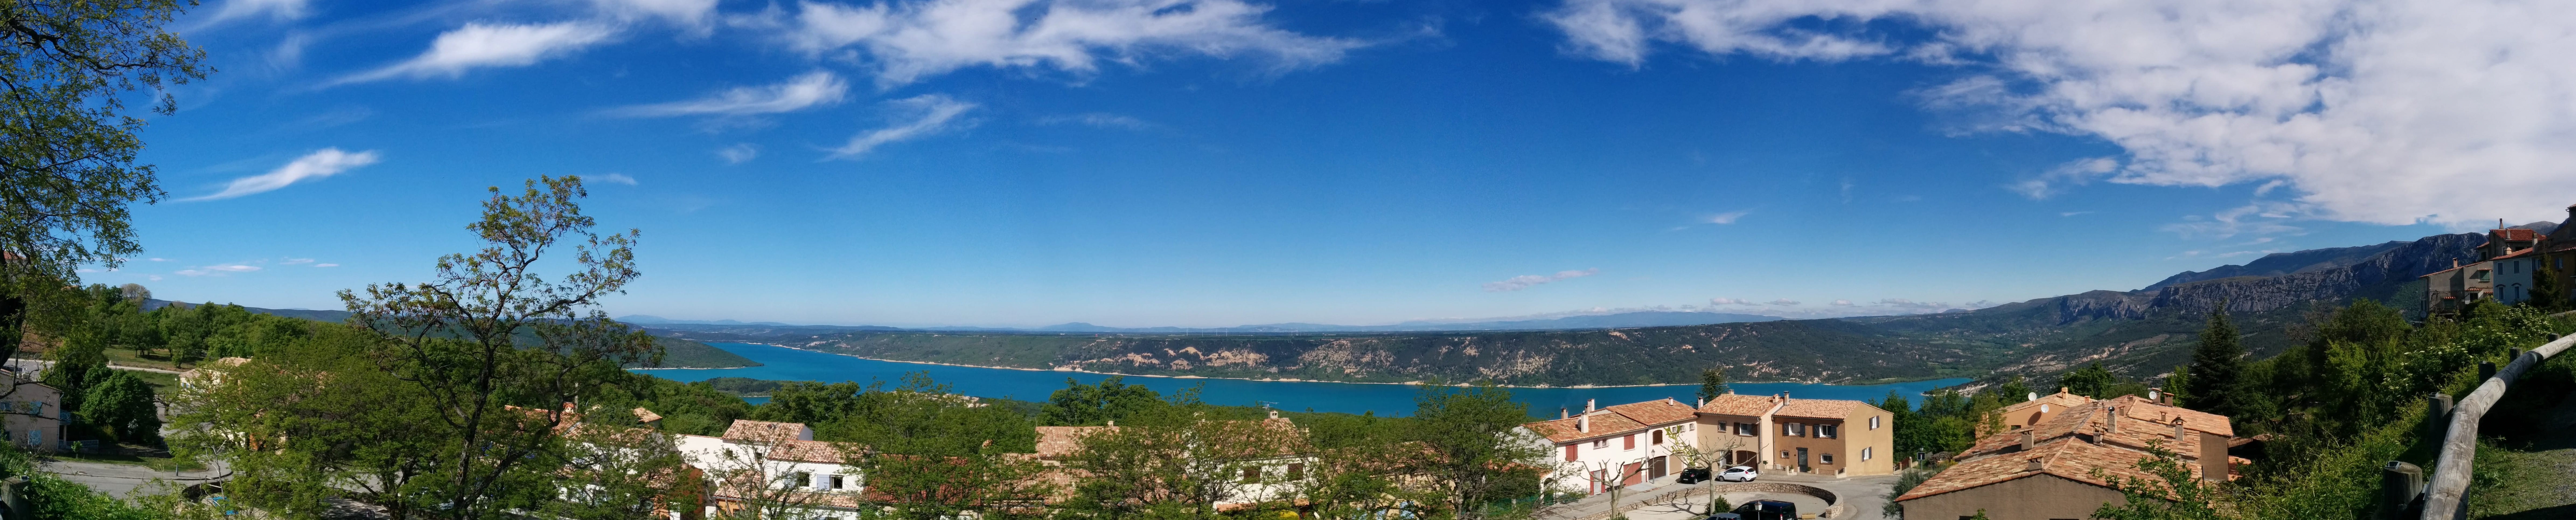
(1655, 467)
(1635, 476)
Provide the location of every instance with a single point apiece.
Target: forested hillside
(2138, 334)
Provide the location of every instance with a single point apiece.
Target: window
(1784, 454)
(1252, 475)
(1746, 429)
(1569, 452)
(1864, 453)
(1793, 429)
(1828, 458)
(1296, 470)
(1628, 442)
(1825, 431)
(35, 437)
(1658, 438)
(1873, 423)
(1601, 443)
(806, 478)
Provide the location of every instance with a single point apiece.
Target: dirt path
(2535, 481)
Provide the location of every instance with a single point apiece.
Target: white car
(1737, 474)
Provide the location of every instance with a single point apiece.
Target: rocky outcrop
(2258, 294)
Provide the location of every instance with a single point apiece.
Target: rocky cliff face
(2257, 294)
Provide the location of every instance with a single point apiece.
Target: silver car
(1737, 474)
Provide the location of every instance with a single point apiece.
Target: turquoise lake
(783, 363)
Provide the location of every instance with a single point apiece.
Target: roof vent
(2036, 465)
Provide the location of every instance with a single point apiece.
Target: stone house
(2064, 465)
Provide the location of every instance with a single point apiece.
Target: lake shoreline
(1408, 383)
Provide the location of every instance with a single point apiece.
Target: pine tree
(2214, 366)
(1712, 383)
(2547, 292)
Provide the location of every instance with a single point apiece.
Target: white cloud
(1783, 301)
(906, 40)
(618, 178)
(158, 259)
(739, 153)
(1730, 301)
(2056, 180)
(490, 45)
(932, 114)
(326, 265)
(295, 261)
(2388, 112)
(1842, 303)
(1530, 280)
(2261, 218)
(686, 13)
(277, 10)
(218, 270)
(321, 163)
(1728, 217)
(812, 89)
(1099, 120)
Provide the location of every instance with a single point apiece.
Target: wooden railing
(2446, 496)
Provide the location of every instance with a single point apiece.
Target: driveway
(1864, 496)
(125, 480)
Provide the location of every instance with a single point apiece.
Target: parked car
(1738, 474)
(1767, 510)
(1692, 476)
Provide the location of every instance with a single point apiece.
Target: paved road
(1865, 496)
(125, 480)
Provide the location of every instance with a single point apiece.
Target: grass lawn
(156, 463)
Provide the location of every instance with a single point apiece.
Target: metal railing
(2446, 496)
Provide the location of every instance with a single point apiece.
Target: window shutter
(1569, 452)
(1628, 442)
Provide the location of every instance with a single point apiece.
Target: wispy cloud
(276, 10)
(739, 153)
(1099, 120)
(1783, 301)
(1531, 280)
(2259, 218)
(326, 265)
(478, 45)
(907, 40)
(1842, 303)
(1727, 217)
(219, 270)
(931, 113)
(812, 89)
(1730, 301)
(616, 178)
(295, 261)
(321, 163)
(2056, 180)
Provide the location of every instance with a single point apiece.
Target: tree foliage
(2215, 365)
(1712, 383)
(1095, 405)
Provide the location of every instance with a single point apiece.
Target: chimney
(2035, 464)
(2178, 431)
(2028, 441)
(1588, 405)
(1583, 424)
(1696, 403)
(1274, 414)
(1113, 423)
(1561, 414)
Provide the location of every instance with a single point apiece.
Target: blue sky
(1224, 162)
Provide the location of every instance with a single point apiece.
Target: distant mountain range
(2139, 333)
(1601, 321)
(675, 352)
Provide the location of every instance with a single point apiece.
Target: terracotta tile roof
(643, 415)
(812, 451)
(1657, 412)
(2066, 458)
(2515, 254)
(2141, 408)
(2516, 233)
(1562, 431)
(765, 431)
(2141, 423)
(1056, 442)
(2059, 402)
(1739, 404)
(1819, 408)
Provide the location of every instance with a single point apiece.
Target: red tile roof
(1604, 424)
(1739, 404)
(765, 431)
(812, 451)
(2059, 402)
(1657, 412)
(2140, 408)
(2516, 233)
(2068, 458)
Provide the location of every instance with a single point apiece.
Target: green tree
(2215, 366)
(2091, 381)
(122, 406)
(2176, 382)
(491, 332)
(68, 156)
(1093, 405)
(2174, 493)
(80, 361)
(1476, 453)
(2548, 292)
(1712, 383)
